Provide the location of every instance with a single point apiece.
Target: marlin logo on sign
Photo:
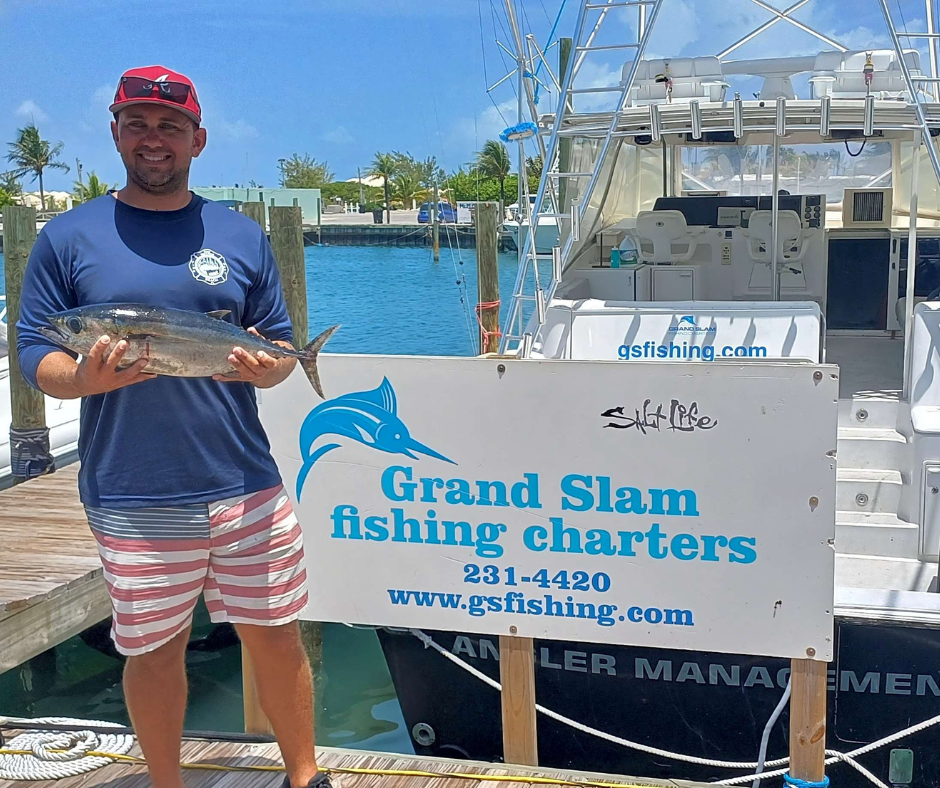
(687, 324)
(367, 417)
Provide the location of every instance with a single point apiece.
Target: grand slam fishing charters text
(579, 493)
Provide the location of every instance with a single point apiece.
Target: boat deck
(870, 367)
(440, 772)
(51, 586)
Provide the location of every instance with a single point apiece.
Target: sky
(338, 79)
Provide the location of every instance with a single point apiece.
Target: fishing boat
(697, 223)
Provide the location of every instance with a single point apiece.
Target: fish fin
(389, 400)
(219, 314)
(139, 336)
(308, 358)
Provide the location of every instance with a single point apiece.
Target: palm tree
(31, 154)
(493, 162)
(88, 191)
(407, 186)
(386, 166)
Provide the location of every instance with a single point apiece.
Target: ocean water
(390, 301)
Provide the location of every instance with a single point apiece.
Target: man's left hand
(260, 369)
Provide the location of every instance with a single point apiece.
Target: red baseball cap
(157, 85)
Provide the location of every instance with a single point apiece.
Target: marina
(643, 481)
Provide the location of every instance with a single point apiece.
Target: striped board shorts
(244, 554)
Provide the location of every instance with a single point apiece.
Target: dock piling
(287, 242)
(436, 228)
(487, 237)
(29, 435)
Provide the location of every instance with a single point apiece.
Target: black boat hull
(884, 678)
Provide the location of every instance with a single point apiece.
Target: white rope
(834, 755)
(46, 765)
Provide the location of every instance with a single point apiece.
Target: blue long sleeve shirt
(168, 441)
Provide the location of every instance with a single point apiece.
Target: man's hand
(97, 374)
(59, 376)
(262, 370)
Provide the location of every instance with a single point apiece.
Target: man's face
(157, 145)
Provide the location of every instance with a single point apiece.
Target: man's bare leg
(155, 693)
(285, 689)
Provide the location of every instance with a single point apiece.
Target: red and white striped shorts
(245, 554)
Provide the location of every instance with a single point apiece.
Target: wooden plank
(44, 625)
(808, 719)
(517, 676)
(124, 775)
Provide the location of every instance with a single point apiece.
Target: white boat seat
(692, 78)
(659, 232)
(790, 246)
(841, 74)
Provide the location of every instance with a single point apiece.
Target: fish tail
(308, 358)
(308, 464)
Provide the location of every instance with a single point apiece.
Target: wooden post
(255, 210)
(256, 721)
(487, 239)
(564, 143)
(28, 405)
(287, 241)
(436, 228)
(517, 676)
(516, 654)
(808, 678)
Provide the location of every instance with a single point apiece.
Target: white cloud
(339, 135)
(31, 110)
(103, 96)
(236, 130)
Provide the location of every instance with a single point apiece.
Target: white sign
(465, 212)
(686, 331)
(659, 505)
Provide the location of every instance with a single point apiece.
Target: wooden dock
(380, 769)
(51, 584)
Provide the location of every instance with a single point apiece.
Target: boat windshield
(828, 168)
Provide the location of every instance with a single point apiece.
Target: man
(177, 479)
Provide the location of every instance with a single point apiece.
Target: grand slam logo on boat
(687, 323)
(371, 418)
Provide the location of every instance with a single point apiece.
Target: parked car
(445, 212)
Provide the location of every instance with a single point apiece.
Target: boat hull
(884, 678)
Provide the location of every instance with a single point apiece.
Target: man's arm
(47, 288)
(265, 315)
(59, 376)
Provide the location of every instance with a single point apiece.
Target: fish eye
(75, 324)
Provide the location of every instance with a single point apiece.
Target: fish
(369, 417)
(177, 342)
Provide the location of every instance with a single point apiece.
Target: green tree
(304, 172)
(386, 166)
(93, 188)
(10, 184)
(493, 162)
(6, 198)
(533, 171)
(32, 155)
(407, 186)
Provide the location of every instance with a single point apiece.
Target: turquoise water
(393, 301)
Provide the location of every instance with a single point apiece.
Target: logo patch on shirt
(209, 267)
